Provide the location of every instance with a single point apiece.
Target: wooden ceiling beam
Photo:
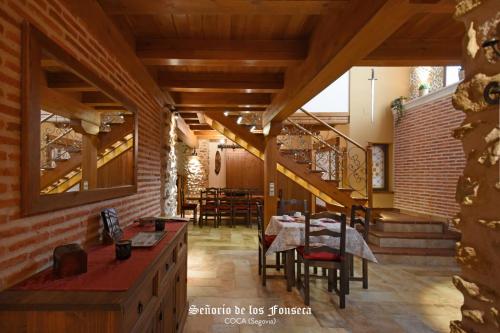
(221, 100)
(64, 105)
(98, 99)
(68, 82)
(221, 82)
(433, 6)
(196, 109)
(210, 7)
(415, 52)
(361, 29)
(191, 52)
(200, 127)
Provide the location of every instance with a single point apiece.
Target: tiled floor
(222, 272)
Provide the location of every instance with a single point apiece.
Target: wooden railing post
(369, 175)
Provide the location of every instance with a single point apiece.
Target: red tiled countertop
(104, 272)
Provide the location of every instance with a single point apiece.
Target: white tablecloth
(290, 235)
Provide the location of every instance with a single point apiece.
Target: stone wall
(478, 190)
(433, 76)
(196, 169)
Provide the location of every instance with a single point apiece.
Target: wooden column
(478, 189)
(89, 161)
(270, 178)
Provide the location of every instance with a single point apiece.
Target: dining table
(290, 234)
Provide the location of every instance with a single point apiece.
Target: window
(334, 98)
(380, 167)
(451, 75)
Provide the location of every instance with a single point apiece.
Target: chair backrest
(325, 232)
(212, 192)
(361, 221)
(326, 215)
(292, 205)
(241, 199)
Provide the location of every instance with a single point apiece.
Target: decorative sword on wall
(373, 79)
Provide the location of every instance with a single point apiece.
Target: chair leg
(330, 278)
(283, 260)
(260, 260)
(351, 265)
(278, 264)
(306, 283)
(335, 280)
(344, 284)
(195, 213)
(365, 274)
(299, 274)
(264, 263)
(348, 280)
(315, 270)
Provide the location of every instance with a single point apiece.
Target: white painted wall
(334, 98)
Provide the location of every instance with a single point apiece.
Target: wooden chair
(209, 206)
(265, 242)
(241, 205)
(320, 255)
(362, 225)
(225, 206)
(187, 206)
(290, 206)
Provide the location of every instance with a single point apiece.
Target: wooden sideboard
(155, 302)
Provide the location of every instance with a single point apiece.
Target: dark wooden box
(69, 260)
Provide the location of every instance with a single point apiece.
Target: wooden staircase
(300, 171)
(398, 238)
(67, 173)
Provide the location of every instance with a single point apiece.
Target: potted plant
(397, 108)
(423, 89)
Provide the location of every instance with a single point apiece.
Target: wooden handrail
(333, 129)
(314, 136)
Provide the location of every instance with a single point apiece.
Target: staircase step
(345, 189)
(303, 162)
(316, 171)
(414, 256)
(413, 239)
(398, 222)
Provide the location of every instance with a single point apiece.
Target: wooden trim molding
(32, 202)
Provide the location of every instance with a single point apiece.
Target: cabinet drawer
(138, 304)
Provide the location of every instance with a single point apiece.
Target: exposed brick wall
(427, 159)
(26, 244)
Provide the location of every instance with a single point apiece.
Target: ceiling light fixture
(239, 120)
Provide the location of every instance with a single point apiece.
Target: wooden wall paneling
(119, 171)
(243, 170)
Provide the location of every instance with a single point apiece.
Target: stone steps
(398, 238)
(414, 256)
(413, 239)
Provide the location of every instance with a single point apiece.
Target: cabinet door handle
(167, 266)
(161, 316)
(140, 308)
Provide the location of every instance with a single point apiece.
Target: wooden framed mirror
(79, 134)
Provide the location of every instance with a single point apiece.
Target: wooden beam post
(90, 144)
(270, 178)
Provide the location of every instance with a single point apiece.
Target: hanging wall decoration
(218, 162)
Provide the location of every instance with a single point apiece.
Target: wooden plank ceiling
(272, 56)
